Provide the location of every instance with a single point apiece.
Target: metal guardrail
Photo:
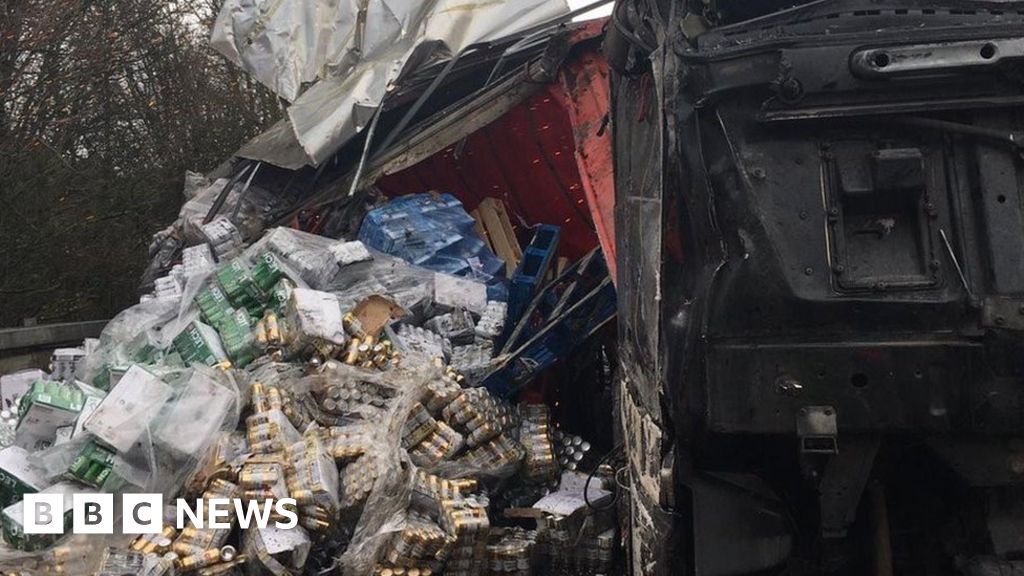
(43, 335)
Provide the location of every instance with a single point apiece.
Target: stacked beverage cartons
(427, 344)
(540, 465)
(222, 236)
(456, 326)
(166, 288)
(473, 361)
(197, 260)
(431, 230)
(492, 321)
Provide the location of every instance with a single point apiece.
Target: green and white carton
(48, 406)
(94, 466)
(238, 339)
(213, 304)
(14, 519)
(199, 343)
(18, 475)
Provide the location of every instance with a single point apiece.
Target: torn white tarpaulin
(351, 51)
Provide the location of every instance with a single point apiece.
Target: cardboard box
(129, 409)
(375, 312)
(313, 317)
(14, 386)
(90, 405)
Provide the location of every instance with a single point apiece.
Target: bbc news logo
(144, 513)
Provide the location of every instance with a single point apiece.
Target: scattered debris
(326, 371)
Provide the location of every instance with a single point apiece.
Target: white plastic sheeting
(349, 51)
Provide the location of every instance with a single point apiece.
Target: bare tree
(103, 106)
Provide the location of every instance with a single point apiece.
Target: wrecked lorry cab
(818, 227)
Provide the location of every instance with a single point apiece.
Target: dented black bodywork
(820, 239)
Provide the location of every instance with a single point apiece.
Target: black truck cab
(820, 233)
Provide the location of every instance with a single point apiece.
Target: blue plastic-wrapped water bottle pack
(435, 232)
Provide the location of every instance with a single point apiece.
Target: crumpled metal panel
(351, 52)
(585, 95)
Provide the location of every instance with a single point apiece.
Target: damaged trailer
(819, 240)
(802, 219)
(401, 317)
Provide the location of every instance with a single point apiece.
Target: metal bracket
(1001, 312)
(816, 427)
(843, 482)
(930, 58)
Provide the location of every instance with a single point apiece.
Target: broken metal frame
(223, 196)
(435, 133)
(453, 123)
(577, 307)
(752, 321)
(525, 35)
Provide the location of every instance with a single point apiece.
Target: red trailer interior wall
(549, 159)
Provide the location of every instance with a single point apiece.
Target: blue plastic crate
(532, 269)
(559, 319)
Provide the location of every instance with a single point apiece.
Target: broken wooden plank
(481, 231)
(499, 229)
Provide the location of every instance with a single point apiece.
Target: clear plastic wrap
(429, 422)
(384, 512)
(14, 385)
(419, 344)
(314, 323)
(540, 464)
(194, 211)
(411, 287)
(268, 428)
(434, 231)
(159, 442)
(202, 407)
(135, 334)
(135, 438)
(312, 479)
(309, 256)
(197, 547)
(194, 183)
(223, 237)
(474, 361)
(227, 452)
(276, 551)
(74, 554)
(346, 394)
(457, 326)
(335, 356)
(231, 301)
(492, 321)
(256, 205)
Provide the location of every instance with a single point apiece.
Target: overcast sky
(602, 11)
